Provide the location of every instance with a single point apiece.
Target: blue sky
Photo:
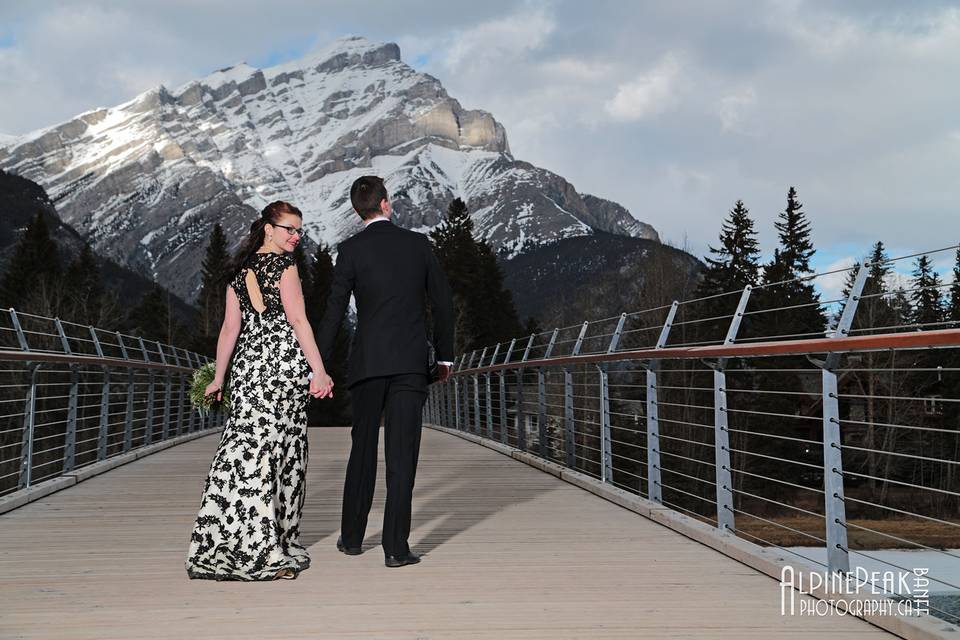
(675, 110)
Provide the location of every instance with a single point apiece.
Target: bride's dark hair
(270, 215)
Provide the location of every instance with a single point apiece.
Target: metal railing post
(143, 350)
(63, 336)
(721, 433)
(493, 359)
(29, 422)
(455, 396)
(502, 384)
(466, 394)
(70, 437)
(450, 392)
(180, 403)
(168, 397)
(521, 416)
(456, 403)
(151, 409)
(838, 550)
(442, 404)
(70, 441)
(128, 420)
(191, 423)
(448, 400)
(151, 396)
(606, 441)
(21, 336)
(128, 424)
(465, 391)
(104, 400)
(181, 392)
(542, 399)
(104, 415)
(654, 492)
(569, 426)
(476, 395)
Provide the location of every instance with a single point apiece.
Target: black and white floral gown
(248, 527)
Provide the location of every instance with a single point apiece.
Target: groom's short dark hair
(366, 194)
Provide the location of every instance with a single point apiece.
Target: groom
(391, 272)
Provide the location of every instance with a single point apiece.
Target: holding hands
(321, 385)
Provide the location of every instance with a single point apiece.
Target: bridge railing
(72, 395)
(829, 430)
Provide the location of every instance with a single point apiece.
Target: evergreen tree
(495, 302)
(900, 304)
(789, 308)
(212, 298)
(927, 296)
(923, 380)
(955, 291)
(531, 326)
(875, 309)
(484, 309)
(150, 318)
(35, 263)
(793, 230)
(83, 289)
(732, 266)
(316, 290)
(736, 261)
(455, 246)
(879, 270)
(785, 287)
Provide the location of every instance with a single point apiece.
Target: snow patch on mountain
(145, 180)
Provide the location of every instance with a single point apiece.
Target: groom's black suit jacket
(390, 271)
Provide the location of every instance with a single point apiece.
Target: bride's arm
(291, 295)
(229, 331)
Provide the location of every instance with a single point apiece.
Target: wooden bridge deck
(509, 552)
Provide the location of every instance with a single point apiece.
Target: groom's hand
(444, 370)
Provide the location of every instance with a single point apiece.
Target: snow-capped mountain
(144, 181)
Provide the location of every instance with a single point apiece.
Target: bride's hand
(214, 388)
(321, 386)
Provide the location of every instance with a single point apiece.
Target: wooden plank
(509, 552)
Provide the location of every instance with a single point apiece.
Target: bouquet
(202, 378)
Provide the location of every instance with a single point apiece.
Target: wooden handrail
(95, 361)
(848, 344)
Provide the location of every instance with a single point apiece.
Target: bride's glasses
(291, 230)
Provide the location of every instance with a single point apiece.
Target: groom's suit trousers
(399, 400)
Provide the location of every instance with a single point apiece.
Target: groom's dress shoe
(401, 561)
(350, 551)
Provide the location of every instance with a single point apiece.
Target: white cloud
(733, 107)
(649, 94)
(852, 103)
(831, 285)
(500, 39)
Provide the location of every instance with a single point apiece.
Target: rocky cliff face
(144, 181)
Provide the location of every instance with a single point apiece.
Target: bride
(248, 527)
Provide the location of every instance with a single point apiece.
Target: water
(944, 572)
